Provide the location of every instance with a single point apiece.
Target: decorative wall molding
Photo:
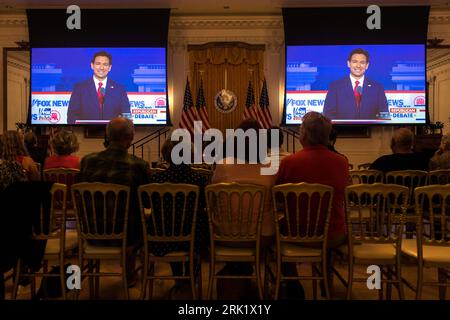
(225, 22)
(18, 65)
(438, 58)
(439, 17)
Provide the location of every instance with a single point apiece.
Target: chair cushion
(101, 250)
(409, 247)
(374, 251)
(292, 250)
(230, 251)
(52, 246)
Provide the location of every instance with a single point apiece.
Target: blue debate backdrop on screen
(399, 68)
(75, 64)
(142, 73)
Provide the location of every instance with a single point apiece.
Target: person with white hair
(441, 158)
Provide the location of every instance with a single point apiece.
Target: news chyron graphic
(141, 71)
(399, 70)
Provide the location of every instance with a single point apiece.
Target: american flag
(188, 116)
(264, 116)
(201, 108)
(250, 111)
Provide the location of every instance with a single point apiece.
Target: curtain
(240, 61)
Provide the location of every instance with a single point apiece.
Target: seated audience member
(315, 163)
(333, 138)
(64, 144)
(182, 173)
(231, 171)
(441, 159)
(116, 165)
(14, 150)
(10, 171)
(402, 157)
(279, 150)
(31, 143)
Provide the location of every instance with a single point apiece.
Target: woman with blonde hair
(64, 144)
(14, 150)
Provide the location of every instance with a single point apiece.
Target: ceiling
(196, 7)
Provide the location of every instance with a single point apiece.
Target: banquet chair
(366, 176)
(302, 214)
(168, 214)
(411, 179)
(235, 217)
(431, 249)
(364, 166)
(439, 176)
(102, 219)
(48, 230)
(375, 233)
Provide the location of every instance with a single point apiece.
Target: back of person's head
(315, 129)
(30, 139)
(166, 150)
(280, 136)
(445, 142)
(120, 132)
(102, 54)
(402, 140)
(65, 143)
(332, 137)
(246, 125)
(358, 51)
(13, 145)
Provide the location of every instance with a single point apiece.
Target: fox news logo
(419, 101)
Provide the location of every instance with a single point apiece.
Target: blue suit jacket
(340, 102)
(84, 103)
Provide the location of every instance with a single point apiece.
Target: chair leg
(192, 279)
(124, 278)
(442, 278)
(211, 276)
(97, 279)
(350, 279)
(419, 282)
(277, 277)
(16, 279)
(389, 283)
(325, 280)
(258, 278)
(91, 279)
(150, 281)
(401, 291)
(314, 282)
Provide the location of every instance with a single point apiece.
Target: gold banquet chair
(439, 176)
(364, 166)
(51, 229)
(431, 249)
(366, 176)
(168, 213)
(302, 214)
(375, 232)
(235, 218)
(102, 220)
(411, 179)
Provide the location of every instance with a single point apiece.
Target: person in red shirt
(64, 144)
(315, 163)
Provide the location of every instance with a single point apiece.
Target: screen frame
(168, 120)
(343, 125)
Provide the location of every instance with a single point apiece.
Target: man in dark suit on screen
(356, 96)
(98, 98)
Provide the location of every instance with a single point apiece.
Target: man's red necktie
(357, 94)
(100, 96)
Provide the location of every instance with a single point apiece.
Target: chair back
(439, 177)
(156, 170)
(364, 166)
(408, 178)
(350, 166)
(51, 221)
(101, 210)
(366, 176)
(67, 176)
(172, 209)
(433, 205)
(302, 212)
(375, 212)
(235, 212)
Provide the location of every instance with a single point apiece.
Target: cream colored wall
(267, 30)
